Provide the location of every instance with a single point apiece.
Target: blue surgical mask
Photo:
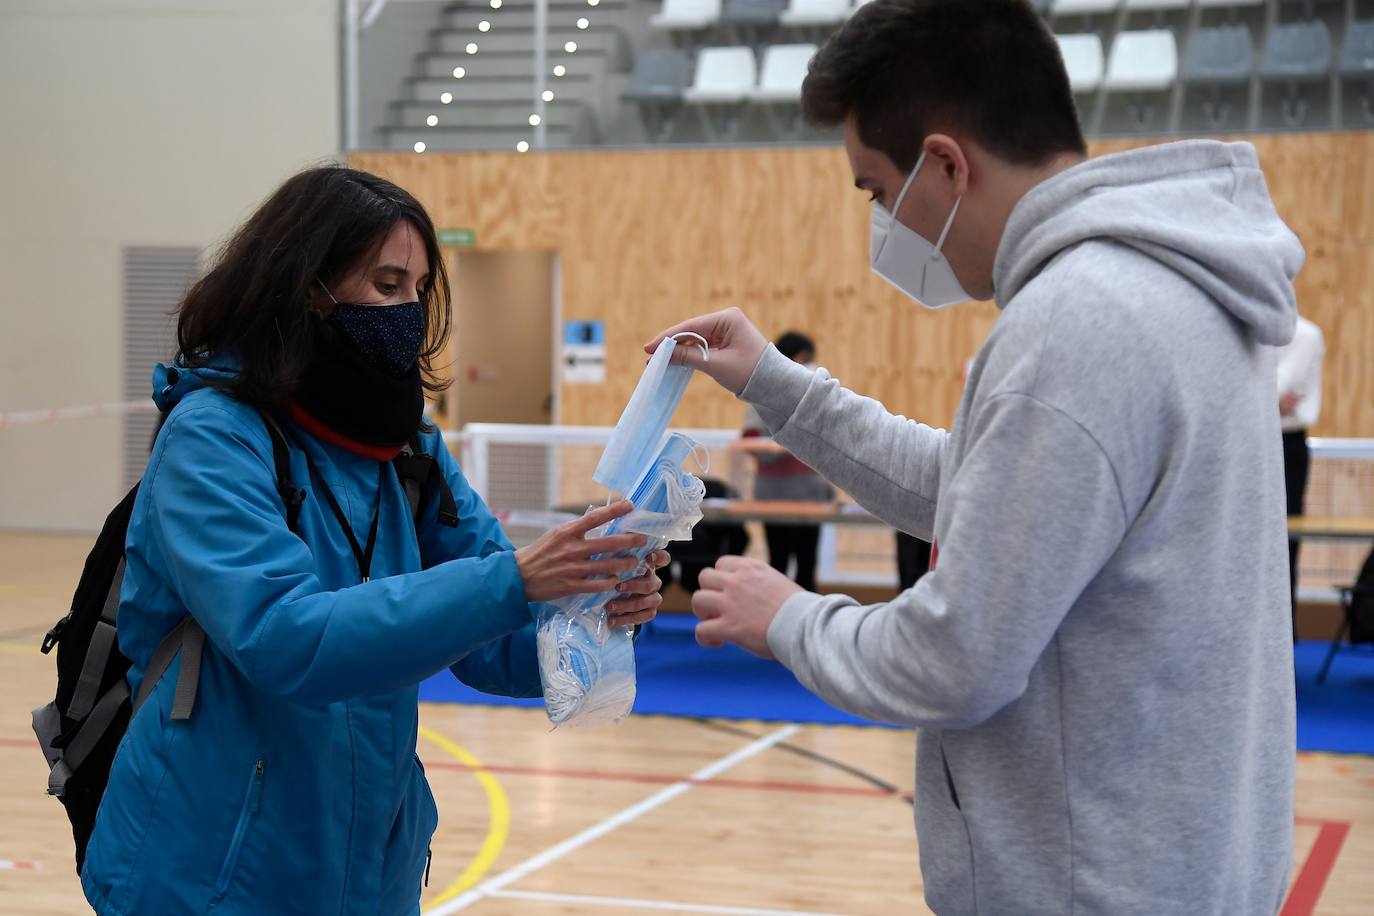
(639, 433)
(388, 336)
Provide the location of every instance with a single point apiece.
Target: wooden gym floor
(658, 815)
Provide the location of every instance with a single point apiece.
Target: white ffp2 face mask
(905, 259)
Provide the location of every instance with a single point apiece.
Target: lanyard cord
(364, 557)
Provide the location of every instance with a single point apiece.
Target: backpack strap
(291, 497)
(98, 650)
(188, 639)
(67, 759)
(416, 469)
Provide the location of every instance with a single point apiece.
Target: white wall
(129, 122)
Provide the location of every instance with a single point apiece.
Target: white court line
(629, 903)
(596, 831)
(20, 865)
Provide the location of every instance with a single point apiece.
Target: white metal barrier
(524, 470)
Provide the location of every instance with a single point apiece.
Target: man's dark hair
(908, 68)
(791, 343)
(316, 228)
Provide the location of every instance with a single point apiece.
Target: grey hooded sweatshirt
(1100, 663)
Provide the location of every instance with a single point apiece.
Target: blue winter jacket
(294, 788)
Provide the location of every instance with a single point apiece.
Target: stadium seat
(784, 68)
(1298, 52)
(660, 75)
(1161, 5)
(752, 12)
(1357, 53)
(723, 75)
(802, 13)
(1219, 56)
(1083, 60)
(1083, 7)
(686, 14)
(1142, 61)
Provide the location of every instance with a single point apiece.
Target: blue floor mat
(679, 678)
(1338, 715)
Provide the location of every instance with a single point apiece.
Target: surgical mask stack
(588, 667)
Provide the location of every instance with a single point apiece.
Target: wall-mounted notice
(584, 352)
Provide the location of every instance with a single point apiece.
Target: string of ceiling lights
(472, 48)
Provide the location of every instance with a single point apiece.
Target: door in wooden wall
(502, 362)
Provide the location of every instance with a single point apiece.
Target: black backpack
(80, 730)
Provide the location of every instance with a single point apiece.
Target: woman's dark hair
(252, 305)
(906, 68)
(792, 343)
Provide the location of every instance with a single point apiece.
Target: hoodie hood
(1201, 207)
(173, 382)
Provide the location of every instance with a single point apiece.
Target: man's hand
(1287, 403)
(737, 602)
(736, 347)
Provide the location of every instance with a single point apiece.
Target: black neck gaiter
(349, 394)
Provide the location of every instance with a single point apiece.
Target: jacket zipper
(251, 802)
(429, 859)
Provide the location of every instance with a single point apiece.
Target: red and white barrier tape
(529, 518)
(83, 412)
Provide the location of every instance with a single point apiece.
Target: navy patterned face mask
(388, 336)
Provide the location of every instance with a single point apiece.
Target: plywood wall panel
(647, 238)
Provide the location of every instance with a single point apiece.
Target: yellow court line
(19, 648)
(498, 815)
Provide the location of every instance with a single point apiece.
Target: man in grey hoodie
(1099, 663)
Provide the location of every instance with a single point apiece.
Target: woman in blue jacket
(294, 786)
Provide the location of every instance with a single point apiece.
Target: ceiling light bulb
(446, 98)
(570, 47)
(560, 70)
(472, 47)
(432, 120)
(522, 147)
(583, 22)
(459, 73)
(484, 26)
(548, 95)
(419, 146)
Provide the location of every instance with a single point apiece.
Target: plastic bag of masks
(588, 667)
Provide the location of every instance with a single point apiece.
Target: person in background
(913, 554)
(781, 476)
(1300, 404)
(913, 559)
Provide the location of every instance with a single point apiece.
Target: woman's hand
(642, 598)
(736, 347)
(560, 563)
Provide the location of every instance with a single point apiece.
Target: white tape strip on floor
(627, 903)
(596, 831)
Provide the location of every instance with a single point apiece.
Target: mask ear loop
(703, 464)
(949, 224)
(699, 341)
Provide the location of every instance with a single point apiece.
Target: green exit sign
(458, 238)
